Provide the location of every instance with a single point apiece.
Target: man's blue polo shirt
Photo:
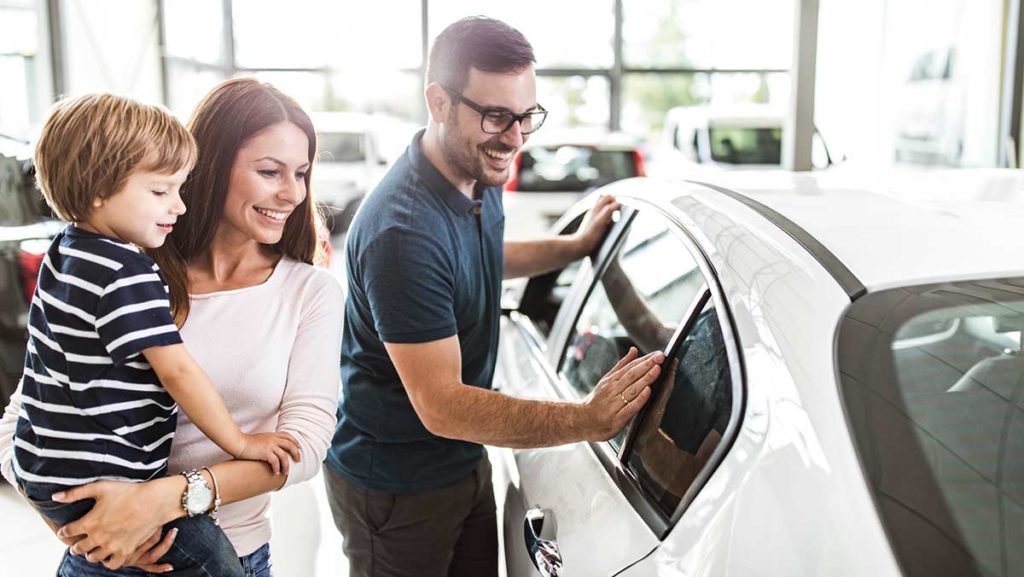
(424, 263)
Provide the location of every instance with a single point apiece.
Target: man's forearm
(489, 418)
(524, 258)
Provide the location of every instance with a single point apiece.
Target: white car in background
(843, 392)
(349, 163)
(555, 169)
(931, 110)
(697, 141)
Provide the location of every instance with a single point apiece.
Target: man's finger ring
(623, 397)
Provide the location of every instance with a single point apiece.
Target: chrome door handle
(544, 554)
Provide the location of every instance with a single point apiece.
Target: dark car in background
(26, 228)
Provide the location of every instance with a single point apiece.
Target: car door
(647, 288)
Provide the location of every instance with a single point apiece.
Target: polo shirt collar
(438, 184)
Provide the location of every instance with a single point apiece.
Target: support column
(799, 126)
(1013, 87)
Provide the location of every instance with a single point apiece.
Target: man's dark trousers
(446, 532)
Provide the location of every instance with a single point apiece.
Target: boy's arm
(192, 389)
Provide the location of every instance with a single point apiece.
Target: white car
(698, 141)
(349, 163)
(842, 395)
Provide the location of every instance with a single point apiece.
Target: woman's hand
(147, 555)
(125, 517)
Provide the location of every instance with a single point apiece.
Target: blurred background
(897, 81)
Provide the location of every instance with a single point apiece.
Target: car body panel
(955, 237)
(791, 481)
(582, 505)
(790, 497)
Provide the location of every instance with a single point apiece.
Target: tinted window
(639, 301)
(933, 382)
(341, 147)
(572, 168)
(746, 145)
(544, 295)
(688, 415)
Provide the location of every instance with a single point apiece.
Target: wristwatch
(197, 497)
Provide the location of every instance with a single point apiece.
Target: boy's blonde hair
(91, 144)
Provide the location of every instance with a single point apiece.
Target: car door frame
(551, 350)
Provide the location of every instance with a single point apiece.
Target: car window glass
(688, 415)
(746, 145)
(933, 383)
(543, 296)
(640, 299)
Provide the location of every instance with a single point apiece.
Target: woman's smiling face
(267, 183)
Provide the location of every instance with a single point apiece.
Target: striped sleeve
(134, 312)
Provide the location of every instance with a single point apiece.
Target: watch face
(198, 499)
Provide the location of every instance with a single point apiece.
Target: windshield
(932, 379)
(746, 145)
(573, 168)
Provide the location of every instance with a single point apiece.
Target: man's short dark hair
(476, 42)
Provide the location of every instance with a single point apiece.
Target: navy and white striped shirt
(93, 408)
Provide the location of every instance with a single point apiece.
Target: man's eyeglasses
(499, 120)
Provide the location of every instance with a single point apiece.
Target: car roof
(894, 229)
(598, 138)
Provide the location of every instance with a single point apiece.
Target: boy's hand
(274, 448)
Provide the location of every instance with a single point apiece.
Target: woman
(262, 321)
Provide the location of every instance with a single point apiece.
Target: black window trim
(565, 321)
(550, 358)
(851, 285)
(557, 332)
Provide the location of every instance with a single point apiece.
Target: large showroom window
(566, 34)
(920, 82)
(196, 51)
(693, 53)
(19, 67)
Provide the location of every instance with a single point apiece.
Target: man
(407, 478)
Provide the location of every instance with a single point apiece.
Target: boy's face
(143, 211)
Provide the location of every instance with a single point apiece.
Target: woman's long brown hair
(229, 115)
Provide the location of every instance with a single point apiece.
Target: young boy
(105, 363)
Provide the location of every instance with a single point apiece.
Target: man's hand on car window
(597, 223)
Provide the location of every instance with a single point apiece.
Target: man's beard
(464, 158)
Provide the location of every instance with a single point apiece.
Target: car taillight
(638, 159)
(513, 177)
(30, 260)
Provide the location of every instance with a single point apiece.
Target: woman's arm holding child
(192, 389)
